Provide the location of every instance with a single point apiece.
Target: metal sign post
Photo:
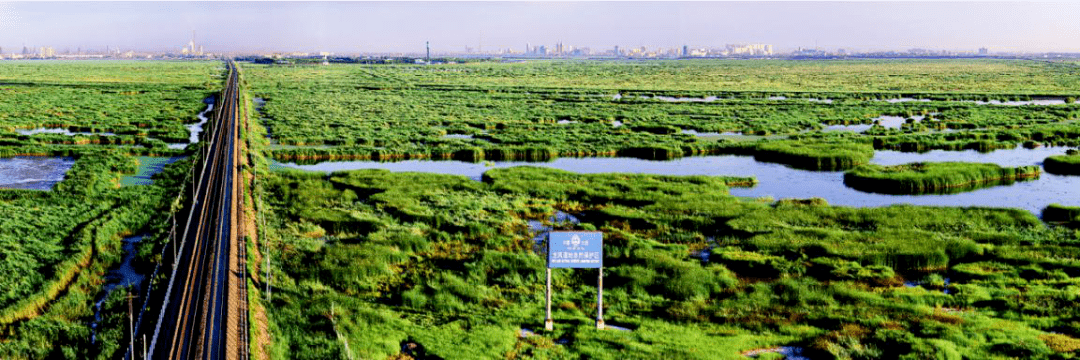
(576, 249)
(549, 324)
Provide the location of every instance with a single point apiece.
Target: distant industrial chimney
(428, 57)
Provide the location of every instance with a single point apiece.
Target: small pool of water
(33, 172)
(859, 128)
(684, 99)
(1035, 101)
(61, 131)
(702, 134)
(779, 181)
(789, 352)
(148, 167)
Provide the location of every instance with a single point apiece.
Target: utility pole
(131, 324)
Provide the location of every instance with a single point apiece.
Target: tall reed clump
(1068, 164)
(821, 156)
(944, 177)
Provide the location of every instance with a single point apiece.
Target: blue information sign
(575, 249)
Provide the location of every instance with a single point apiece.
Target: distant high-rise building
(751, 49)
(685, 50)
(983, 51)
(427, 46)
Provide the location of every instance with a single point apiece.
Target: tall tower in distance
(191, 44)
(427, 58)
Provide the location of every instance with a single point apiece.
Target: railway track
(202, 313)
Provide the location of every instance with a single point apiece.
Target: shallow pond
(788, 352)
(60, 131)
(148, 166)
(779, 181)
(711, 134)
(33, 172)
(1035, 101)
(886, 121)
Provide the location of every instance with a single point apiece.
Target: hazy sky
(352, 27)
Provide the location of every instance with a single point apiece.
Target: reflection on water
(33, 172)
(779, 181)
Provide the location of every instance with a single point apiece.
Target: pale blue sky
(350, 27)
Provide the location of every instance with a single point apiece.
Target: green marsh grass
(934, 178)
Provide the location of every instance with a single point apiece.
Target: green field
(389, 112)
(141, 105)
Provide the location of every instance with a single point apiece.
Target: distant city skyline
(454, 27)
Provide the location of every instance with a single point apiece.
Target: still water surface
(33, 172)
(779, 181)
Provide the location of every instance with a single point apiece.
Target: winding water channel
(122, 276)
(779, 181)
(195, 129)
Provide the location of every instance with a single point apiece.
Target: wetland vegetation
(410, 264)
(933, 178)
(58, 243)
(1068, 164)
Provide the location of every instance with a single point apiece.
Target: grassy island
(815, 155)
(924, 178)
(1068, 164)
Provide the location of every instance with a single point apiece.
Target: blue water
(778, 181)
(148, 167)
(33, 172)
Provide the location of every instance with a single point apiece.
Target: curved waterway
(122, 276)
(33, 172)
(195, 129)
(779, 181)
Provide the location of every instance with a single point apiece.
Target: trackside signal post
(576, 249)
